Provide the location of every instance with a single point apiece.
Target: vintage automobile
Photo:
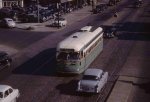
(109, 34)
(93, 80)
(5, 60)
(59, 22)
(8, 94)
(7, 22)
(99, 8)
(138, 3)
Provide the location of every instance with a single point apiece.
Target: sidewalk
(72, 17)
(121, 90)
(124, 89)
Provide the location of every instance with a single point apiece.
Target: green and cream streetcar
(77, 52)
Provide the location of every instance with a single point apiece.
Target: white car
(93, 80)
(86, 29)
(61, 21)
(8, 94)
(7, 22)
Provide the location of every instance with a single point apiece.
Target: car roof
(3, 88)
(8, 19)
(93, 72)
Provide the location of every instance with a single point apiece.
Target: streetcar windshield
(1, 95)
(68, 55)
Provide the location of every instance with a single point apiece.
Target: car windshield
(10, 20)
(2, 55)
(90, 77)
(68, 56)
(1, 95)
(108, 31)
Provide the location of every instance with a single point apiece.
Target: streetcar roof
(78, 40)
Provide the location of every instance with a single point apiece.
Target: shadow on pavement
(144, 86)
(134, 36)
(42, 64)
(70, 89)
(134, 31)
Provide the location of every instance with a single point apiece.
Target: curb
(121, 90)
(26, 27)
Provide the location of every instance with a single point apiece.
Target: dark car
(109, 33)
(138, 3)
(113, 2)
(101, 7)
(5, 60)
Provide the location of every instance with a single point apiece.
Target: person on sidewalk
(115, 14)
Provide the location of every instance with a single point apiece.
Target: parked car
(93, 80)
(59, 22)
(138, 3)
(101, 7)
(8, 94)
(5, 12)
(5, 60)
(7, 22)
(112, 2)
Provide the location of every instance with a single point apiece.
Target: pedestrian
(115, 14)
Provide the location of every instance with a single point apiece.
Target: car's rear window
(90, 77)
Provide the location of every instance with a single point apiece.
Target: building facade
(1, 4)
(22, 3)
(9, 3)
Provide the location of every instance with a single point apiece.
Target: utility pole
(38, 11)
(93, 4)
(77, 4)
(58, 8)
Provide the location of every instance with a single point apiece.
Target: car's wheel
(61, 24)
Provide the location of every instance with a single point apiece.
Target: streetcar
(76, 52)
